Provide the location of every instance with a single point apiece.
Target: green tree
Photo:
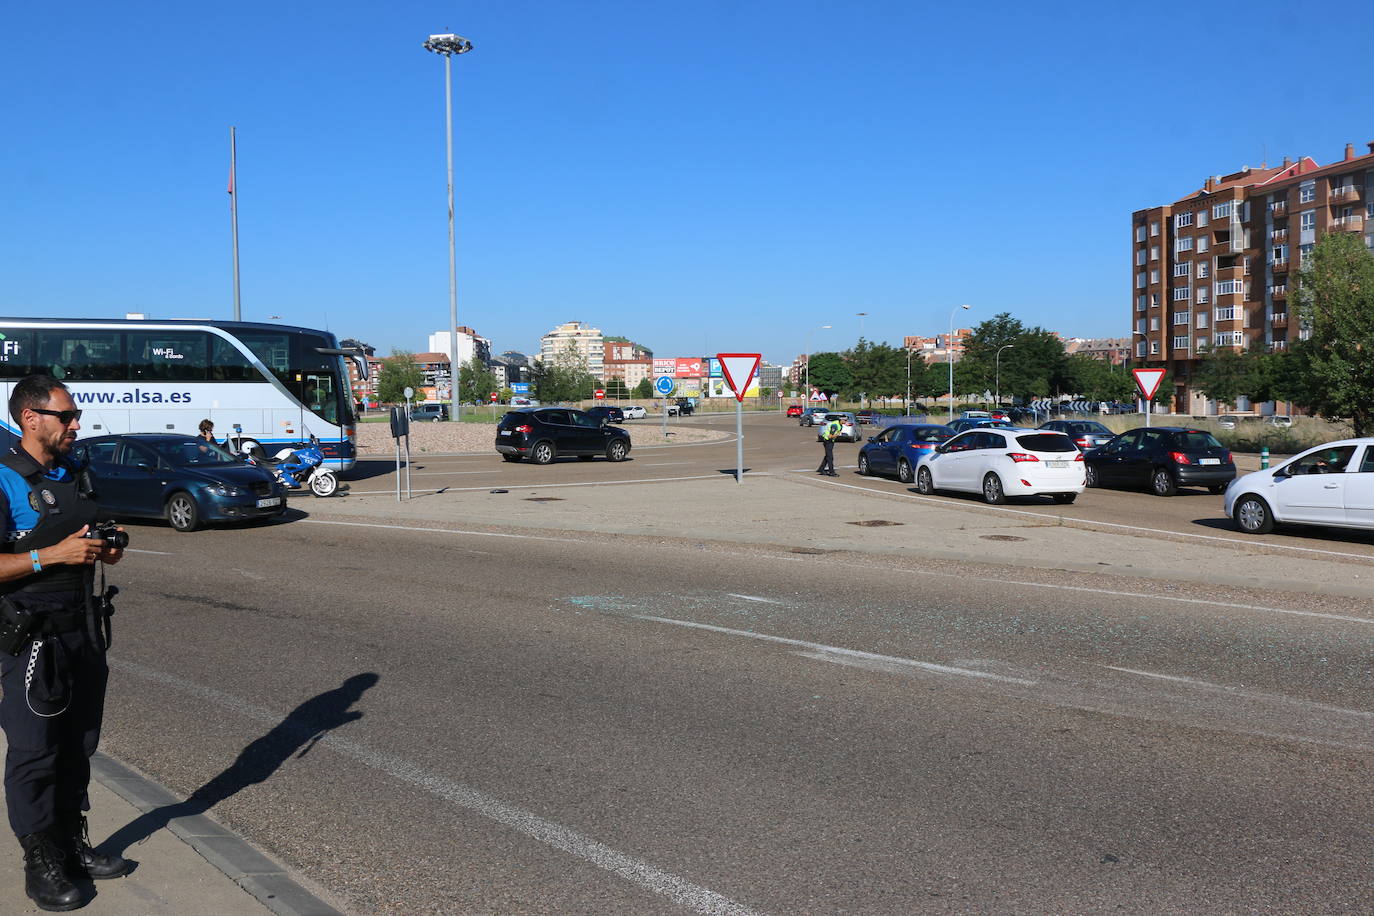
(1335, 298)
(475, 381)
(1222, 374)
(1097, 379)
(1033, 365)
(645, 389)
(399, 372)
(616, 389)
(830, 373)
(876, 370)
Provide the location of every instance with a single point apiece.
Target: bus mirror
(358, 356)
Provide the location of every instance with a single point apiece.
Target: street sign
(494, 396)
(664, 385)
(520, 387)
(739, 370)
(599, 394)
(1147, 380)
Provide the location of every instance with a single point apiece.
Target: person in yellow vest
(829, 433)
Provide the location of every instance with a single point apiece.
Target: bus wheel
(182, 513)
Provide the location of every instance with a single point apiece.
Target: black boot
(45, 879)
(85, 861)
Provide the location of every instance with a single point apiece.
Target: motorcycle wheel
(324, 484)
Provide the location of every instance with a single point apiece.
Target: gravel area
(440, 438)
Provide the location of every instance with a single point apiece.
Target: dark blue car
(188, 481)
(897, 449)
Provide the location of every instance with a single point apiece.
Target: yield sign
(1147, 380)
(739, 369)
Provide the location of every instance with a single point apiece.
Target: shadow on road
(302, 728)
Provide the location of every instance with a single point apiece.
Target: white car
(849, 429)
(1000, 462)
(634, 412)
(1332, 484)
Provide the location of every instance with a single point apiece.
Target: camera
(110, 534)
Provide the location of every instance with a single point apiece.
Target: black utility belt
(25, 616)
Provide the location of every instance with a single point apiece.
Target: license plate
(1057, 464)
(269, 502)
(503, 432)
(1210, 461)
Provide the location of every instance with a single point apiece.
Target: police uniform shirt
(23, 513)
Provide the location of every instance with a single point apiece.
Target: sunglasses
(65, 417)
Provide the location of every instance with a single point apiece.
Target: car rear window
(1046, 442)
(1195, 440)
(930, 435)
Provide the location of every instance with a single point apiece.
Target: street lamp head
(448, 44)
(963, 306)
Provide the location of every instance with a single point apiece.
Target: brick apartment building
(627, 361)
(1213, 269)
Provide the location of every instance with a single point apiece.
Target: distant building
(470, 344)
(1115, 350)
(940, 347)
(586, 341)
(435, 367)
(770, 376)
(361, 388)
(627, 361)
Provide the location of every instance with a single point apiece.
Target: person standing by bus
(832, 429)
(207, 430)
(54, 684)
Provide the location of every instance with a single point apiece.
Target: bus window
(318, 395)
(16, 353)
(82, 355)
(227, 364)
(273, 349)
(168, 355)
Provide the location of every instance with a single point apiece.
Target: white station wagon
(999, 462)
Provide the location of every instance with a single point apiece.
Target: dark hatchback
(186, 480)
(897, 449)
(607, 412)
(1162, 458)
(541, 434)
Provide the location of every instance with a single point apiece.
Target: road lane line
(1069, 519)
(756, 598)
(482, 534)
(160, 553)
(691, 896)
(1246, 694)
(838, 651)
(539, 486)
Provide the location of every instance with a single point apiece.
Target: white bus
(279, 384)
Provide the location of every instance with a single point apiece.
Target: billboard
(665, 366)
(713, 369)
(719, 389)
(688, 367)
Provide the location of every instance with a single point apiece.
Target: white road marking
(836, 650)
(481, 534)
(755, 598)
(691, 896)
(540, 486)
(1087, 521)
(158, 553)
(1247, 694)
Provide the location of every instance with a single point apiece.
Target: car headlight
(223, 489)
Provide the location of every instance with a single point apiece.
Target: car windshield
(1195, 440)
(189, 452)
(1046, 442)
(1090, 429)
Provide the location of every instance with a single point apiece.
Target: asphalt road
(504, 723)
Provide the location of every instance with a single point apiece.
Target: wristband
(33, 555)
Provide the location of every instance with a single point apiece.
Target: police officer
(832, 429)
(54, 688)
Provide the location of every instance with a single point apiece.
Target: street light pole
(949, 357)
(449, 45)
(997, 391)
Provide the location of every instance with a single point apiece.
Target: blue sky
(720, 175)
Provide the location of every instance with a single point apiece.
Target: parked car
(607, 412)
(812, 415)
(866, 417)
(635, 412)
(1332, 484)
(686, 407)
(186, 480)
(1000, 413)
(1283, 421)
(964, 423)
(975, 415)
(794, 410)
(1227, 421)
(1162, 458)
(544, 433)
(898, 449)
(999, 463)
(433, 412)
(1085, 434)
(850, 426)
(522, 401)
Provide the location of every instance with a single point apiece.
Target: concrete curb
(266, 880)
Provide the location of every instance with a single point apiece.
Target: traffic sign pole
(739, 370)
(1147, 380)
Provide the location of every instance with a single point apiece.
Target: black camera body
(109, 533)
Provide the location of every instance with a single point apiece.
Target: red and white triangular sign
(739, 369)
(1147, 380)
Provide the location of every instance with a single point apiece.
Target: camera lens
(116, 539)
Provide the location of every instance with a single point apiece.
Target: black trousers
(828, 462)
(48, 761)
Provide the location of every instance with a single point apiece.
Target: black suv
(543, 433)
(607, 412)
(1162, 458)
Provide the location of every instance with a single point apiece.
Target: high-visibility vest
(833, 429)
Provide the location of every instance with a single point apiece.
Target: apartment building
(587, 341)
(1115, 350)
(1213, 269)
(627, 361)
(470, 344)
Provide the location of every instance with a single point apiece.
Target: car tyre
(1252, 515)
(1090, 477)
(542, 453)
(617, 450)
(863, 465)
(182, 512)
(925, 484)
(993, 494)
(1217, 489)
(1162, 482)
(904, 471)
(1064, 499)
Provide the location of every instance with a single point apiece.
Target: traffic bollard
(1264, 458)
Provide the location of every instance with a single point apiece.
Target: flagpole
(234, 219)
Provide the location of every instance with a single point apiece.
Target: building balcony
(1278, 291)
(1279, 319)
(1344, 193)
(1279, 209)
(1279, 266)
(1279, 345)
(1279, 235)
(1348, 223)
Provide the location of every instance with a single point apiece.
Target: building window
(1202, 294)
(1203, 243)
(1154, 323)
(1183, 243)
(1201, 343)
(1181, 270)
(1280, 253)
(1227, 313)
(1140, 258)
(1140, 303)
(1202, 217)
(1140, 349)
(1230, 287)
(1307, 192)
(1203, 269)
(1182, 292)
(1182, 219)
(1154, 348)
(1154, 275)
(1202, 319)
(1180, 343)
(1307, 219)
(1221, 211)
(1230, 338)
(1154, 300)
(1140, 280)
(1154, 229)
(1140, 233)
(1154, 252)
(1180, 317)
(1305, 254)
